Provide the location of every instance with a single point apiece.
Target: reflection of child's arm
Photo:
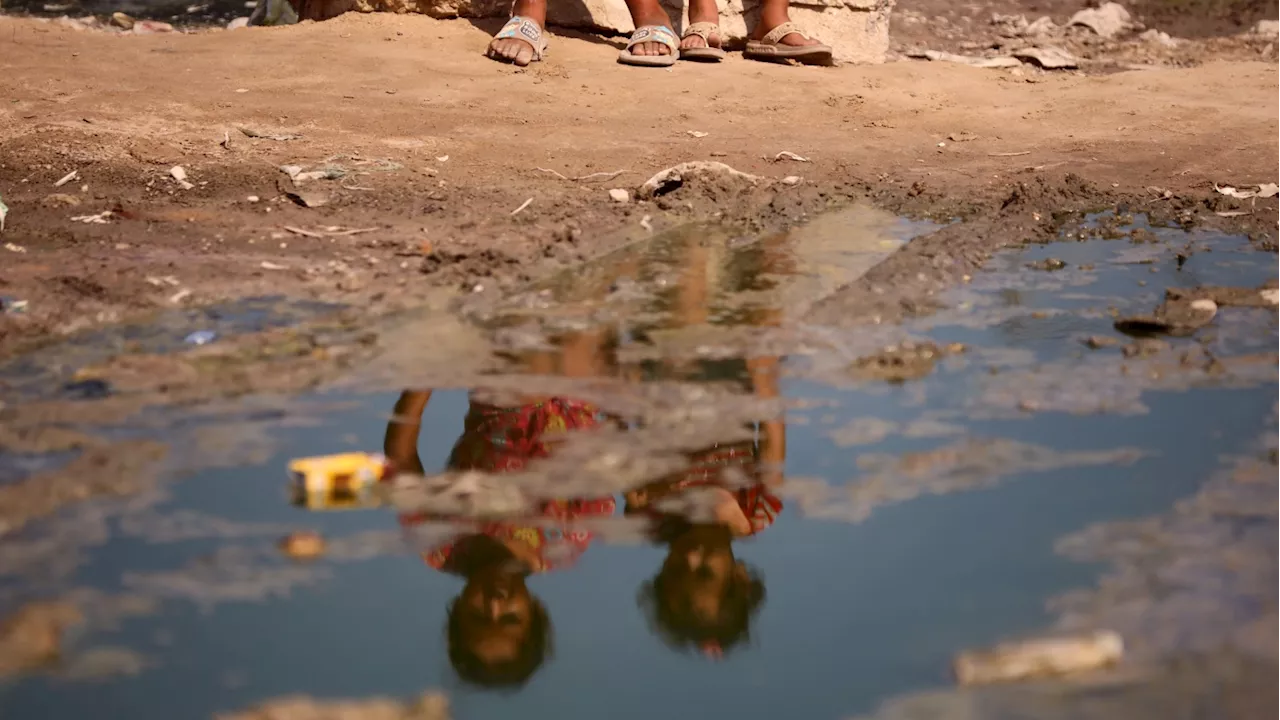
(401, 442)
(773, 452)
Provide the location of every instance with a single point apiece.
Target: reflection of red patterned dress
(497, 439)
(760, 506)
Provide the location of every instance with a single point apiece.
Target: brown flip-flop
(770, 48)
(709, 53)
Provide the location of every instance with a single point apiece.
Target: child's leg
(516, 50)
(649, 12)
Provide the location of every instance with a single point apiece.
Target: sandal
(654, 34)
(709, 53)
(771, 49)
(521, 28)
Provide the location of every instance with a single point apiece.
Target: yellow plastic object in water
(337, 482)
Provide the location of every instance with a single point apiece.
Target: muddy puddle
(663, 491)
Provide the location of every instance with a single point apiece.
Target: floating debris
(200, 337)
(303, 545)
(1039, 658)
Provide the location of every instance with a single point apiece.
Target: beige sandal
(771, 49)
(710, 53)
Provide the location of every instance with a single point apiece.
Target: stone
(1266, 27)
(1107, 20)
(619, 195)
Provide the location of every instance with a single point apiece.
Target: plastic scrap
(333, 482)
(200, 337)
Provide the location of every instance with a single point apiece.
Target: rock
(1043, 26)
(1048, 265)
(1266, 27)
(1049, 58)
(856, 30)
(1039, 658)
(1096, 342)
(60, 200)
(1107, 20)
(240, 22)
(675, 176)
(1158, 37)
(122, 21)
(1177, 315)
(151, 27)
(619, 195)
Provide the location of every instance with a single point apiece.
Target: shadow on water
(604, 531)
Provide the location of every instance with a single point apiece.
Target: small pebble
(619, 195)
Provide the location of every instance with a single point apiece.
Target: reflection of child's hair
(676, 622)
(513, 673)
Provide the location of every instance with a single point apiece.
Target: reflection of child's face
(699, 569)
(495, 614)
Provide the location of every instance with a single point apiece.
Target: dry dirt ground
(469, 173)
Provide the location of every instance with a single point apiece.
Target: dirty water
(893, 494)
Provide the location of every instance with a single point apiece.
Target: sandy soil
(463, 170)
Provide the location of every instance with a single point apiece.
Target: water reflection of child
(498, 633)
(703, 595)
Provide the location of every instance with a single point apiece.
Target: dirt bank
(462, 172)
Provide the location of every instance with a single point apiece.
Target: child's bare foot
(521, 40)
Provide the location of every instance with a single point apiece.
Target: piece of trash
(697, 133)
(1106, 20)
(151, 27)
(1264, 191)
(1020, 153)
(4, 213)
(978, 62)
(582, 178)
(252, 199)
(337, 481)
(788, 155)
(619, 195)
(179, 296)
(163, 281)
(523, 205)
(90, 389)
(298, 176)
(442, 158)
(263, 135)
(67, 178)
(200, 337)
(56, 200)
(308, 198)
(14, 248)
(1049, 58)
(303, 545)
(791, 180)
(242, 90)
(12, 305)
(1038, 658)
(179, 174)
(331, 231)
(101, 218)
(268, 265)
(122, 21)
(646, 223)
(238, 23)
(675, 176)
(1270, 296)
(962, 137)
(1232, 213)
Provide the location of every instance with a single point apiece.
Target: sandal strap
(654, 33)
(522, 28)
(775, 35)
(703, 30)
